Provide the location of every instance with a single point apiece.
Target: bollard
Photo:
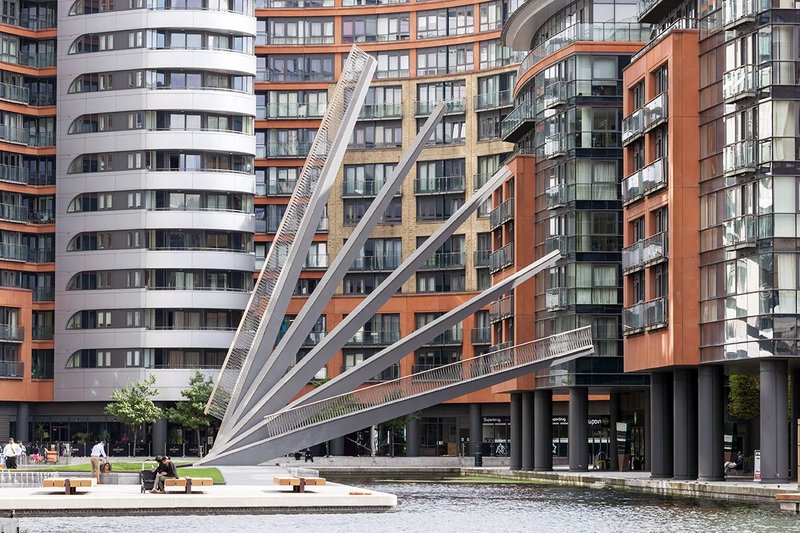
(478, 459)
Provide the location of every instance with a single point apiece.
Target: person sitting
(165, 469)
(736, 464)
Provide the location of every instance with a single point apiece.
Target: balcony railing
(481, 335)
(12, 332)
(361, 189)
(738, 12)
(502, 258)
(12, 369)
(646, 315)
(556, 196)
(374, 338)
(14, 93)
(646, 180)
(740, 157)
(511, 127)
(684, 23)
(555, 299)
(554, 95)
(15, 134)
(451, 336)
(439, 185)
(295, 110)
(501, 309)
(655, 111)
(385, 110)
(376, 263)
(262, 4)
(555, 145)
(13, 213)
(306, 40)
(740, 83)
(44, 294)
(481, 258)
(632, 126)
(445, 260)
(290, 150)
(452, 106)
(501, 214)
(645, 252)
(740, 232)
(494, 100)
(276, 188)
(42, 333)
(557, 242)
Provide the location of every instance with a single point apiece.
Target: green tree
(744, 398)
(191, 413)
(133, 405)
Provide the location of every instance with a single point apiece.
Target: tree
(133, 405)
(191, 413)
(744, 398)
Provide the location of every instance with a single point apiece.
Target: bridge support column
(336, 446)
(23, 420)
(710, 414)
(613, 418)
(527, 431)
(516, 431)
(684, 432)
(475, 428)
(543, 430)
(661, 425)
(578, 429)
(774, 430)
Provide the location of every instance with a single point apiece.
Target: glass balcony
(501, 214)
(740, 84)
(646, 315)
(632, 126)
(632, 257)
(388, 374)
(374, 338)
(632, 188)
(277, 188)
(14, 174)
(439, 185)
(289, 150)
(502, 258)
(445, 260)
(555, 299)
(501, 309)
(362, 189)
(511, 129)
(14, 93)
(645, 252)
(654, 175)
(13, 252)
(481, 335)
(42, 333)
(20, 135)
(453, 106)
(378, 111)
(43, 255)
(262, 4)
(494, 100)
(555, 145)
(451, 336)
(740, 232)
(738, 12)
(12, 369)
(655, 111)
(12, 332)
(13, 213)
(295, 110)
(556, 196)
(481, 258)
(306, 40)
(44, 294)
(740, 157)
(372, 263)
(554, 95)
(557, 242)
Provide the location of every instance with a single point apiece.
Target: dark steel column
(336, 446)
(516, 431)
(684, 433)
(647, 430)
(475, 428)
(412, 436)
(23, 421)
(660, 424)
(160, 438)
(793, 422)
(527, 431)
(710, 415)
(543, 430)
(774, 413)
(578, 429)
(613, 418)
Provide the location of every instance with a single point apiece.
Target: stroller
(147, 478)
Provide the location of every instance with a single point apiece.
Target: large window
(309, 30)
(445, 59)
(371, 28)
(392, 64)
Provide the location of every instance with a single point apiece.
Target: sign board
(757, 465)
(496, 419)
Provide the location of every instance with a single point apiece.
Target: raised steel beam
(310, 424)
(304, 371)
(258, 329)
(292, 341)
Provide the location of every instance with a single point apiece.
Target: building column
(795, 399)
(684, 432)
(613, 418)
(160, 438)
(516, 431)
(647, 428)
(23, 421)
(542, 430)
(710, 428)
(661, 424)
(336, 446)
(774, 430)
(527, 431)
(578, 429)
(475, 428)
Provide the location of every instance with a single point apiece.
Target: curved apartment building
(155, 192)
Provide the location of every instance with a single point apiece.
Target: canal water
(461, 507)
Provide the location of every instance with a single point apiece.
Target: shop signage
(756, 465)
(496, 419)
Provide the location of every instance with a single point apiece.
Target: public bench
(298, 484)
(187, 483)
(69, 484)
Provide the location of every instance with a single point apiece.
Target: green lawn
(183, 469)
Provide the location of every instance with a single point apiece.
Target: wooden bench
(70, 484)
(187, 483)
(298, 484)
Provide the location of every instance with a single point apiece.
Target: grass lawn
(183, 469)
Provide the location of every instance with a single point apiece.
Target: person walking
(98, 451)
(11, 451)
(309, 457)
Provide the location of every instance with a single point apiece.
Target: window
(379, 134)
(133, 319)
(103, 319)
(371, 28)
(445, 59)
(392, 64)
(133, 358)
(103, 359)
(491, 15)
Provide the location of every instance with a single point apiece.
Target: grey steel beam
(293, 340)
(291, 383)
(265, 449)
